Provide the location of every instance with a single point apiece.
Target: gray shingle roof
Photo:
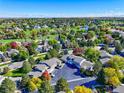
(16, 65)
(75, 58)
(105, 54)
(41, 67)
(53, 62)
(86, 64)
(35, 73)
(104, 60)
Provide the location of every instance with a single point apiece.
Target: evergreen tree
(24, 81)
(62, 85)
(46, 87)
(26, 67)
(7, 86)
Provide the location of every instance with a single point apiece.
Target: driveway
(66, 72)
(70, 74)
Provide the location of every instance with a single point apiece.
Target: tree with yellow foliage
(111, 76)
(116, 62)
(109, 72)
(82, 89)
(36, 81)
(31, 86)
(114, 81)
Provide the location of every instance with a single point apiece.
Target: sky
(61, 8)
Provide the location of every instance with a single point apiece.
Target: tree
(48, 56)
(90, 34)
(92, 54)
(53, 53)
(31, 86)
(114, 81)
(31, 60)
(34, 34)
(31, 48)
(62, 85)
(14, 45)
(118, 46)
(82, 89)
(109, 72)
(78, 51)
(3, 48)
(26, 67)
(46, 75)
(7, 86)
(52, 42)
(24, 81)
(107, 39)
(46, 87)
(57, 47)
(116, 62)
(90, 43)
(23, 55)
(97, 67)
(5, 70)
(110, 76)
(34, 44)
(116, 35)
(37, 81)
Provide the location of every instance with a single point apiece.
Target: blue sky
(61, 8)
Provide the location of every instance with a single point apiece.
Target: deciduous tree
(82, 89)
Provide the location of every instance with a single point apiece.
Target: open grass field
(28, 40)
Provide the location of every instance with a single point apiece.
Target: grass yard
(14, 73)
(11, 40)
(28, 39)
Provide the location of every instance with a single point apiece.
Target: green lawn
(22, 40)
(11, 40)
(14, 73)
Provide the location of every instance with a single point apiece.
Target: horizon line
(70, 17)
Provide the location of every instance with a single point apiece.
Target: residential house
(16, 65)
(2, 57)
(48, 65)
(77, 61)
(18, 29)
(35, 74)
(104, 57)
(41, 67)
(43, 48)
(45, 26)
(37, 27)
(52, 63)
(38, 69)
(12, 51)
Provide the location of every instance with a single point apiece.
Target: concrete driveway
(70, 74)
